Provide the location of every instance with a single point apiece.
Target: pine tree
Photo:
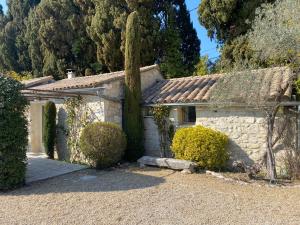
(180, 46)
(133, 113)
(190, 45)
(172, 60)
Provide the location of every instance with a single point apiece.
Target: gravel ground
(149, 196)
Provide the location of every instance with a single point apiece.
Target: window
(189, 114)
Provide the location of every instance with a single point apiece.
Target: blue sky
(208, 47)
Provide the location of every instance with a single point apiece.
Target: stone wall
(95, 105)
(246, 130)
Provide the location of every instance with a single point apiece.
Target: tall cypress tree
(49, 128)
(133, 113)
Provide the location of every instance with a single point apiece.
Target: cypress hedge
(49, 128)
(133, 124)
(13, 134)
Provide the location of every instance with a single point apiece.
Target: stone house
(102, 93)
(188, 97)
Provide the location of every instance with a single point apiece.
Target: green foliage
(47, 37)
(190, 44)
(206, 147)
(103, 144)
(202, 67)
(165, 128)
(13, 46)
(133, 112)
(297, 85)
(13, 135)
(107, 31)
(53, 54)
(275, 33)
(49, 128)
(228, 21)
(79, 116)
(172, 65)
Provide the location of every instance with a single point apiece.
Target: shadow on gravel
(90, 181)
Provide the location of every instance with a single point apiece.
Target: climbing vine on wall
(165, 128)
(79, 116)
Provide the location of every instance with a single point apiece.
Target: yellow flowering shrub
(205, 146)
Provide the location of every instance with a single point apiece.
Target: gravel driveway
(149, 196)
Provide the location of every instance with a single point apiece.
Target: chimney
(71, 73)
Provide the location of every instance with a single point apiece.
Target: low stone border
(220, 176)
(185, 166)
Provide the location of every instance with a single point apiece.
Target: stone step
(174, 164)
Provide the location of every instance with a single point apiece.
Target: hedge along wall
(13, 134)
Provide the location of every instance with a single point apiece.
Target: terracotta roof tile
(199, 88)
(88, 81)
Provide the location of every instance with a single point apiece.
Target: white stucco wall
(148, 78)
(35, 128)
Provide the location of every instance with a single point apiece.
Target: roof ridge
(222, 74)
(142, 69)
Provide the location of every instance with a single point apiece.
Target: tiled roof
(88, 81)
(198, 89)
(37, 81)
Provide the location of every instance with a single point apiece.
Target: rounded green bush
(13, 134)
(206, 147)
(103, 143)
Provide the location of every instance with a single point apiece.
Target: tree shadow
(238, 153)
(91, 181)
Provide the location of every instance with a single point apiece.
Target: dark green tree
(227, 21)
(1, 11)
(15, 49)
(13, 135)
(49, 128)
(57, 37)
(172, 59)
(108, 31)
(133, 113)
(190, 43)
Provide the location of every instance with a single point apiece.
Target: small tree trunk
(271, 166)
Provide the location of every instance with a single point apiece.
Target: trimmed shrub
(103, 144)
(13, 134)
(49, 128)
(206, 147)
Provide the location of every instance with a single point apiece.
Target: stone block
(174, 164)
